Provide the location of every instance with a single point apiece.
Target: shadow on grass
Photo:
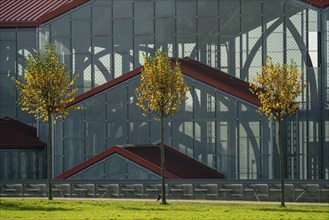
(292, 210)
(160, 208)
(21, 207)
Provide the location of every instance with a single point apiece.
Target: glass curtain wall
(325, 94)
(212, 127)
(115, 167)
(105, 39)
(22, 164)
(15, 46)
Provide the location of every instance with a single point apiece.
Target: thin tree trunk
(163, 184)
(49, 157)
(281, 165)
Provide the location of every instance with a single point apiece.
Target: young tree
(46, 88)
(162, 90)
(277, 88)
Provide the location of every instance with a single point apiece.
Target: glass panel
(95, 172)
(186, 17)
(123, 27)
(8, 56)
(61, 27)
(102, 20)
(186, 46)
(8, 96)
(95, 114)
(81, 28)
(182, 136)
(82, 66)
(58, 147)
(226, 134)
(23, 165)
(165, 36)
(74, 124)
(138, 124)
(208, 8)
(144, 18)
(82, 12)
(249, 148)
(63, 51)
(164, 8)
(4, 165)
(155, 131)
(154, 177)
(81, 45)
(124, 46)
(7, 34)
(145, 47)
(102, 59)
(74, 153)
(115, 168)
(117, 115)
(122, 9)
(204, 102)
(136, 172)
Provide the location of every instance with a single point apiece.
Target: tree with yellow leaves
(162, 90)
(45, 89)
(277, 88)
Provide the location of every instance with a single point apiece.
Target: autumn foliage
(46, 86)
(162, 90)
(46, 89)
(277, 89)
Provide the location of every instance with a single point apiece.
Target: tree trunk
(163, 184)
(49, 157)
(281, 165)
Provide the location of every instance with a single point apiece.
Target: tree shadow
(23, 207)
(292, 210)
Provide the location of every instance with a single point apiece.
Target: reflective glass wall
(220, 131)
(115, 167)
(325, 93)
(104, 39)
(22, 164)
(15, 45)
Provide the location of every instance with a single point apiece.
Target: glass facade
(214, 128)
(22, 164)
(15, 45)
(104, 39)
(115, 167)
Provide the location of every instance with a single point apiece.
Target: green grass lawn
(146, 209)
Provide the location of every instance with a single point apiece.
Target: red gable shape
(32, 13)
(319, 3)
(16, 135)
(193, 69)
(178, 166)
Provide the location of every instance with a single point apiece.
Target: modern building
(221, 44)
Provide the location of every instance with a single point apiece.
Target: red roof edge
(194, 161)
(30, 129)
(19, 24)
(121, 151)
(105, 86)
(17, 135)
(188, 71)
(61, 10)
(44, 18)
(319, 3)
(186, 65)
